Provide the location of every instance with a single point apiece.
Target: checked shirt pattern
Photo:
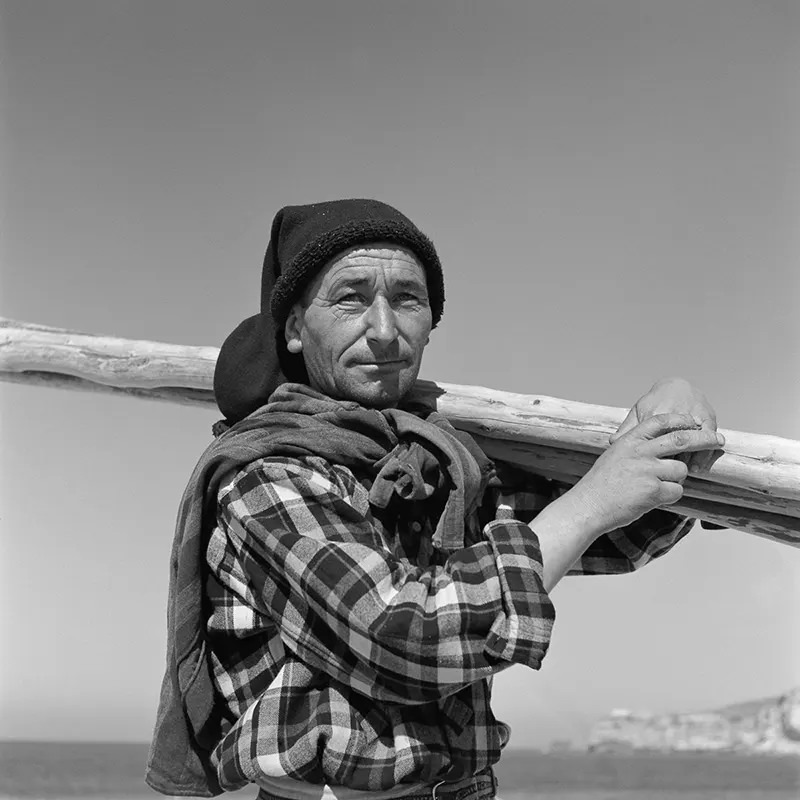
(347, 651)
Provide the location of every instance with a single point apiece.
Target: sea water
(48, 770)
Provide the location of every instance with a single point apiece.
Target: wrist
(565, 529)
(579, 510)
(570, 515)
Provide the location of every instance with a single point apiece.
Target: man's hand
(635, 475)
(674, 396)
(639, 472)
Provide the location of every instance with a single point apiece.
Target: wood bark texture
(753, 486)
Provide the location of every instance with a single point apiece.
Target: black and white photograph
(400, 399)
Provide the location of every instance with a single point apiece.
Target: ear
(292, 330)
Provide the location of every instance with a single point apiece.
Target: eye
(351, 298)
(406, 297)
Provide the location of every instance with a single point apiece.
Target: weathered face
(363, 324)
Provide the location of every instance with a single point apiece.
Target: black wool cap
(253, 360)
(305, 238)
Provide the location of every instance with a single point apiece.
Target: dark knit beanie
(253, 360)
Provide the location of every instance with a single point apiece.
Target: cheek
(418, 330)
(326, 342)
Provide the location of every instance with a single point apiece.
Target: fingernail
(720, 439)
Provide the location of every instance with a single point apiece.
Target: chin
(376, 398)
(380, 394)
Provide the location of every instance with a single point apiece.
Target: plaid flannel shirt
(351, 654)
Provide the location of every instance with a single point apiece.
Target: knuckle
(653, 488)
(679, 438)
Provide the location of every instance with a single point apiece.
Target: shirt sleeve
(623, 550)
(315, 562)
(634, 546)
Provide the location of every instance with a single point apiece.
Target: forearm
(572, 543)
(565, 529)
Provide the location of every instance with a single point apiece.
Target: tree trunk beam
(753, 486)
(107, 360)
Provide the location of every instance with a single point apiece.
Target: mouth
(387, 364)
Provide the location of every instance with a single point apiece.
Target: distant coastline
(757, 727)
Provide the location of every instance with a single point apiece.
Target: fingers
(672, 470)
(659, 424)
(704, 414)
(670, 493)
(702, 461)
(682, 441)
(628, 424)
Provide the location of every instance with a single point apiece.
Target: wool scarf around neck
(408, 456)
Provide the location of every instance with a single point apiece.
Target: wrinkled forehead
(367, 263)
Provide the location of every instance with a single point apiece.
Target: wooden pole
(753, 486)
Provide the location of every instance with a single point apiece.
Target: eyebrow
(351, 281)
(363, 281)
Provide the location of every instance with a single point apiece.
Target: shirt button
(416, 527)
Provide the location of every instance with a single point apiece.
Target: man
(349, 572)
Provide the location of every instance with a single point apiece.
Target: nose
(381, 322)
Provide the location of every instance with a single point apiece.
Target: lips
(395, 362)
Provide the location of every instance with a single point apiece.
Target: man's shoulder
(303, 476)
(280, 467)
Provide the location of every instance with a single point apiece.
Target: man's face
(363, 324)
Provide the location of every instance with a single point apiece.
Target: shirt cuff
(521, 633)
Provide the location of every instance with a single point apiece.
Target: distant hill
(768, 726)
(748, 708)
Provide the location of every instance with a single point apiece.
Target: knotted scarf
(409, 455)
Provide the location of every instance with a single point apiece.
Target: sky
(613, 191)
